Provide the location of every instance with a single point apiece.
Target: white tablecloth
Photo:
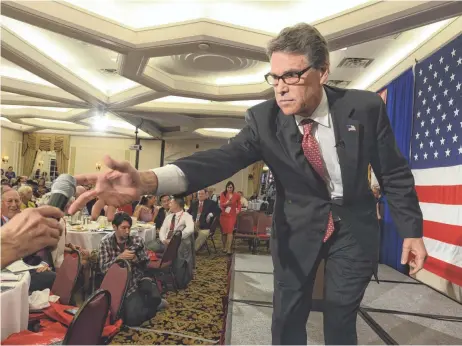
(15, 306)
(91, 240)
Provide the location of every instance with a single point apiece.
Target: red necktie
(172, 227)
(200, 207)
(313, 155)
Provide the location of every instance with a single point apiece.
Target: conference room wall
(11, 146)
(86, 151)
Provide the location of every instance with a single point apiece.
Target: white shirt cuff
(171, 180)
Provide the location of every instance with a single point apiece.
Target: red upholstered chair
(63, 286)
(87, 326)
(164, 265)
(66, 278)
(245, 229)
(264, 222)
(116, 282)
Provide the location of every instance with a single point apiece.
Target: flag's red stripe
(443, 232)
(441, 194)
(445, 270)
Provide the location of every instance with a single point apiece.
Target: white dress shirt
(183, 222)
(324, 133)
(172, 180)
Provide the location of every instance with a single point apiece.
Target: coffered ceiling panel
(270, 16)
(177, 69)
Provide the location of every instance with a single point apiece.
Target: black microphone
(62, 190)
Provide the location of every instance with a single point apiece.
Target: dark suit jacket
(208, 207)
(363, 135)
(160, 218)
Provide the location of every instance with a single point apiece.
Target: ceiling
(183, 69)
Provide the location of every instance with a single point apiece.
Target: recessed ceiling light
(100, 123)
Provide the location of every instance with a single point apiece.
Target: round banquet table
(15, 305)
(91, 240)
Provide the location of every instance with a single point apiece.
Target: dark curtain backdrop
(400, 98)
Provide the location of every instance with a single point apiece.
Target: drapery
(257, 170)
(33, 142)
(399, 101)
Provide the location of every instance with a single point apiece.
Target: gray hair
(301, 39)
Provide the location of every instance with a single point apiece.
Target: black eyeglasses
(288, 78)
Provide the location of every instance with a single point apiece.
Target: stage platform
(398, 310)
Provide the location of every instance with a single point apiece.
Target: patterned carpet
(194, 315)
(196, 311)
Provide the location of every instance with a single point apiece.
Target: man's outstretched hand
(414, 253)
(115, 188)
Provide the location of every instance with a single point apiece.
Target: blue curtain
(400, 96)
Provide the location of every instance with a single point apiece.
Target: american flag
(436, 157)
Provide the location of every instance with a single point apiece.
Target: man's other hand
(414, 253)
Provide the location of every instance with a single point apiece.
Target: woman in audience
(230, 204)
(146, 210)
(25, 193)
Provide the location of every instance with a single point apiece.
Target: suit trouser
(347, 273)
(202, 236)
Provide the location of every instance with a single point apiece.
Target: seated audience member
(25, 193)
(176, 220)
(203, 211)
(211, 194)
(10, 174)
(42, 277)
(163, 211)
(244, 201)
(146, 210)
(143, 298)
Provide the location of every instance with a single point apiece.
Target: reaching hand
(414, 248)
(115, 188)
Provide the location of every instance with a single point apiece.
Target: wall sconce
(98, 166)
(40, 163)
(5, 159)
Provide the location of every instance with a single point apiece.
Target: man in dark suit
(318, 142)
(163, 211)
(203, 211)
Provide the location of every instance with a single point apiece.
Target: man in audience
(163, 211)
(211, 194)
(143, 298)
(203, 211)
(176, 220)
(42, 277)
(244, 201)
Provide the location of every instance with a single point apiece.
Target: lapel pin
(351, 128)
